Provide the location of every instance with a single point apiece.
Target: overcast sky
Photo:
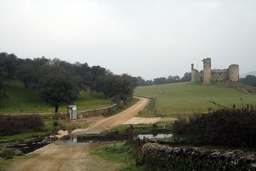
(147, 38)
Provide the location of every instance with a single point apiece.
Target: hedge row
(228, 127)
(15, 124)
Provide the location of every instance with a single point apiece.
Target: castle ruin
(207, 75)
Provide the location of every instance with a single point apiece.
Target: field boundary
(80, 114)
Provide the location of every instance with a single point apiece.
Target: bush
(9, 157)
(231, 127)
(15, 124)
(55, 123)
(4, 153)
(20, 154)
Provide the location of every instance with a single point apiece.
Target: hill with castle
(208, 75)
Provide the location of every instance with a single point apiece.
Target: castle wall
(219, 74)
(233, 72)
(207, 75)
(195, 75)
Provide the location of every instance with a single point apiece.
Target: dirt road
(115, 120)
(70, 156)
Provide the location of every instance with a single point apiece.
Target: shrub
(9, 157)
(231, 127)
(20, 154)
(6, 152)
(15, 124)
(55, 123)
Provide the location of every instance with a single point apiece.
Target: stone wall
(83, 114)
(97, 112)
(219, 74)
(161, 157)
(195, 75)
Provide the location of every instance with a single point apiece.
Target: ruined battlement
(207, 75)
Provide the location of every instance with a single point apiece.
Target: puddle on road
(78, 138)
(157, 136)
(32, 144)
(36, 142)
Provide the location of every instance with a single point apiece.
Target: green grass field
(187, 98)
(22, 101)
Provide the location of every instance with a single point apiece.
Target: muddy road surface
(70, 156)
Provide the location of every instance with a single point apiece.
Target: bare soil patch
(171, 120)
(138, 120)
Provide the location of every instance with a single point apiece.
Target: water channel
(38, 142)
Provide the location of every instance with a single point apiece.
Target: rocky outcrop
(162, 157)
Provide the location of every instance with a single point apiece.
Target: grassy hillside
(27, 101)
(187, 98)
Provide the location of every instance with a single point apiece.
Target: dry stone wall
(84, 114)
(97, 112)
(162, 157)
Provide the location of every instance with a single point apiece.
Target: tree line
(59, 82)
(164, 80)
(249, 80)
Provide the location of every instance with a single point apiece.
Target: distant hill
(248, 73)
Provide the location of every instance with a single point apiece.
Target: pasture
(177, 99)
(21, 101)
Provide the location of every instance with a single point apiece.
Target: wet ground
(37, 142)
(32, 144)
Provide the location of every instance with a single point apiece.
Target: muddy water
(37, 142)
(31, 144)
(97, 138)
(114, 137)
(157, 136)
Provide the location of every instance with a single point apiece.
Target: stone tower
(195, 75)
(207, 74)
(192, 73)
(233, 72)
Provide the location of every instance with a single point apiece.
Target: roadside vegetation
(122, 153)
(156, 128)
(11, 125)
(222, 127)
(50, 127)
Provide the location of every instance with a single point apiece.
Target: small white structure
(72, 111)
(73, 137)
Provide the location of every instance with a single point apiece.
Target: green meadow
(176, 99)
(21, 101)
(170, 99)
